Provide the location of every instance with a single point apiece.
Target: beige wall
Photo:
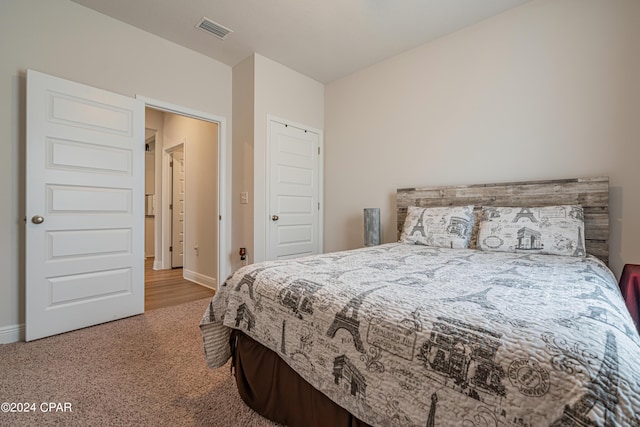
(547, 90)
(266, 88)
(243, 101)
(67, 40)
(289, 95)
(200, 141)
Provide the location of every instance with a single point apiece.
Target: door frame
(224, 183)
(267, 215)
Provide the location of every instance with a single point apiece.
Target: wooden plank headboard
(591, 193)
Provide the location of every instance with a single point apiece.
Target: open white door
(177, 208)
(294, 192)
(84, 206)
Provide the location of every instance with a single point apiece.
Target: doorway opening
(182, 240)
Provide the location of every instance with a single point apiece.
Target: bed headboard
(591, 193)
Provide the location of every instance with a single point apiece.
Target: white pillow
(554, 230)
(443, 227)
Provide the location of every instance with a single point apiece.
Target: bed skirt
(271, 388)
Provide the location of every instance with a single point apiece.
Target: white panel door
(84, 206)
(293, 192)
(177, 208)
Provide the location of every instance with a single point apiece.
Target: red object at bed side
(630, 288)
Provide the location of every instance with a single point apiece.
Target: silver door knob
(275, 217)
(37, 219)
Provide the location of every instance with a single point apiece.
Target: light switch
(244, 197)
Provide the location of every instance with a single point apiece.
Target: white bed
(411, 334)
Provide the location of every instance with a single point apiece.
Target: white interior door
(177, 208)
(84, 206)
(294, 192)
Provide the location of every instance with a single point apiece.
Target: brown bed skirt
(271, 388)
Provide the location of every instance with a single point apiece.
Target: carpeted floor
(147, 370)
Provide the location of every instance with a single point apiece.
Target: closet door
(294, 192)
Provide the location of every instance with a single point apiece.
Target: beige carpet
(147, 370)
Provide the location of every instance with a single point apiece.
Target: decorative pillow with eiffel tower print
(552, 230)
(443, 227)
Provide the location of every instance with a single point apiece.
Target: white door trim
(266, 214)
(224, 179)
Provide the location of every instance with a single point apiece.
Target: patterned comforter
(411, 335)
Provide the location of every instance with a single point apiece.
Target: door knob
(275, 217)
(37, 219)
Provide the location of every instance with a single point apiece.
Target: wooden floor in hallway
(164, 288)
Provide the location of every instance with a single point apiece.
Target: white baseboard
(200, 279)
(157, 264)
(13, 333)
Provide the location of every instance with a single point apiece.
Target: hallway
(164, 288)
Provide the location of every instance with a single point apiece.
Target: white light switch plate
(244, 197)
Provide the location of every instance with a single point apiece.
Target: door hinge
(318, 150)
(171, 164)
(318, 205)
(170, 248)
(171, 206)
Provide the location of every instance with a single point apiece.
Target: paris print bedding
(409, 335)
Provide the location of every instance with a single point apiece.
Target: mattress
(402, 334)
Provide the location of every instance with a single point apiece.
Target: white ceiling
(323, 39)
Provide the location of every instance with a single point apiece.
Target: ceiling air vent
(213, 28)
